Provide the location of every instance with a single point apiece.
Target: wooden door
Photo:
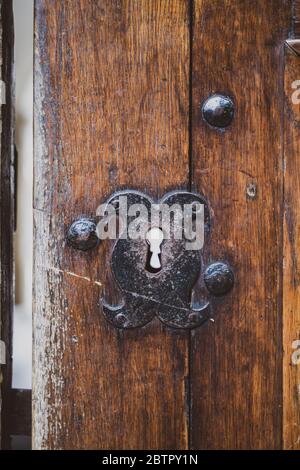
(119, 86)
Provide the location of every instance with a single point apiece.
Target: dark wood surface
(20, 413)
(236, 371)
(295, 19)
(111, 111)
(6, 214)
(114, 108)
(291, 279)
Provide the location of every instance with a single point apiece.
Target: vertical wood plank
(111, 111)
(2, 344)
(291, 274)
(296, 18)
(237, 384)
(6, 213)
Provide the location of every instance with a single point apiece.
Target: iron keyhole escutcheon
(158, 275)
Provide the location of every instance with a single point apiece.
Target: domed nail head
(218, 110)
(82, 234)
(219, 278)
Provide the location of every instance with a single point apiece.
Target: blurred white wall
(23, 13)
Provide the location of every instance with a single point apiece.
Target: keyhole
(154, 238)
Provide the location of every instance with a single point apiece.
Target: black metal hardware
(82, 234)
(218, 278)
(218, 110)
(168, 293)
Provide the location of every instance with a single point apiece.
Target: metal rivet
(218, 278)
(218, 110)
(194, 317)
(82, 234)
(120, 319)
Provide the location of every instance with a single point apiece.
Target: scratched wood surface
(114, 109)
(295, 30)
(111, 111)
(291, 279)
(236, 364)
(6, 211)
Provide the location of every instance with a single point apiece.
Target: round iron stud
(82, 234)
(218, 110)
(218, 278)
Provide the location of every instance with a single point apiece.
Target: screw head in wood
(120, 319)
(218, 110)
(82, 234)
(218, 278)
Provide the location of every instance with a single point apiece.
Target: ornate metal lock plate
(169, 291)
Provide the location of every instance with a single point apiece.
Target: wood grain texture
(296, 18)
(237, 360)
(6, 212)
(291, 256)
(111, 111)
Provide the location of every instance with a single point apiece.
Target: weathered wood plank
(296, 18)
(237, 384)
(111, 111)
(6, 211)
(291, 256)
